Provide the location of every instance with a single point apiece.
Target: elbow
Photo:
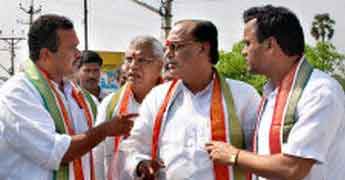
(67, 159)
(296, 173)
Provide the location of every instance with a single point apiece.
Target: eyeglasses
(177, 45)
(139, 60)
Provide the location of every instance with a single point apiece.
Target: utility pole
(12, 42)
(31, 11)
(164, 11)
(86, 26)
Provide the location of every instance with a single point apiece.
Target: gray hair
(152, 42)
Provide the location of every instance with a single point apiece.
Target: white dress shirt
(105, 150)
(320, 128)
(186, 129)
(30, 148)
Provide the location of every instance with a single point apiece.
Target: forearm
(83, 143)
(274, 166)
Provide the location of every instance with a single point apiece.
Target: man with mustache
(46, 121)
(179, 117)
(90, 73)
(143, 63)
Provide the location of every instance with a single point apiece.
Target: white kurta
(105, 150)
(320, 128)
(186, 129)
(30, 148)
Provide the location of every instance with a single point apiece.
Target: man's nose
(244, 52)
(168, 53)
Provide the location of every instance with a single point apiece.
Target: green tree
(322, 27)
(323, 56)
(233, 65)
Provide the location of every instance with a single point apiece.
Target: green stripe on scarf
(91, 102)
(303, 75)
(235, 133)
(114, 100)
(41, 84)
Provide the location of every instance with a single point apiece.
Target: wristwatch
(233, 158)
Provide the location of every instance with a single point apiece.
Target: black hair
(280, 23)
(88, 57)
(43, 33)
(205, 31)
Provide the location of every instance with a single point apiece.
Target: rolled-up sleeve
(320, 116)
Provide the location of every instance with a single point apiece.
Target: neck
(282, 69)
(139, 93)
(95, 91)
(52, 75)
(201, 80)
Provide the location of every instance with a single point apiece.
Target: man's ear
(267, 44)
(205, 47)
(44, 54)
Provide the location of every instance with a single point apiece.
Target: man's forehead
(90, 65)
(138, 51)
(250, 25)
(181, 31)
(68, 35)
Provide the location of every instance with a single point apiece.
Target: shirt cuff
(306, 153)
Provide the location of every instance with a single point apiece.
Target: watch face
(232, 158)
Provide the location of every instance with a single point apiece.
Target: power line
(164, 11)
(12, 42)
(31, 10)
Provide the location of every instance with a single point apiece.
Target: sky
(113, 23)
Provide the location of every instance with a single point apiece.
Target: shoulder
(160, 91)
(156, 96)
(322, 84)
(322, 92)
(320, 79)
(19, 86)
(242, 89)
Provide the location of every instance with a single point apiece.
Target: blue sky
(112, 23)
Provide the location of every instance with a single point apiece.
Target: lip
(133, 76)
(172, 66)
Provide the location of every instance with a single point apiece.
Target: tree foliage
(322, 27)
(323, 56)
(233, 65)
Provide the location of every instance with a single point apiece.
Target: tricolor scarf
(125, 93)
(54, 104)
(219, 131)
(284, 114)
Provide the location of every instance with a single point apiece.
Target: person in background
(90, 73)
(121, 77)
(143, 60)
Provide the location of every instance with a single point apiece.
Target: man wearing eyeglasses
(179, 117)
(143, 60)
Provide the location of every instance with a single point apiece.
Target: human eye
(142, 61)
(128, 60)
(246, 43)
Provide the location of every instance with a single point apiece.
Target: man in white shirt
(179, 117)
(301, 128)
(144, 60)
(46, 122)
